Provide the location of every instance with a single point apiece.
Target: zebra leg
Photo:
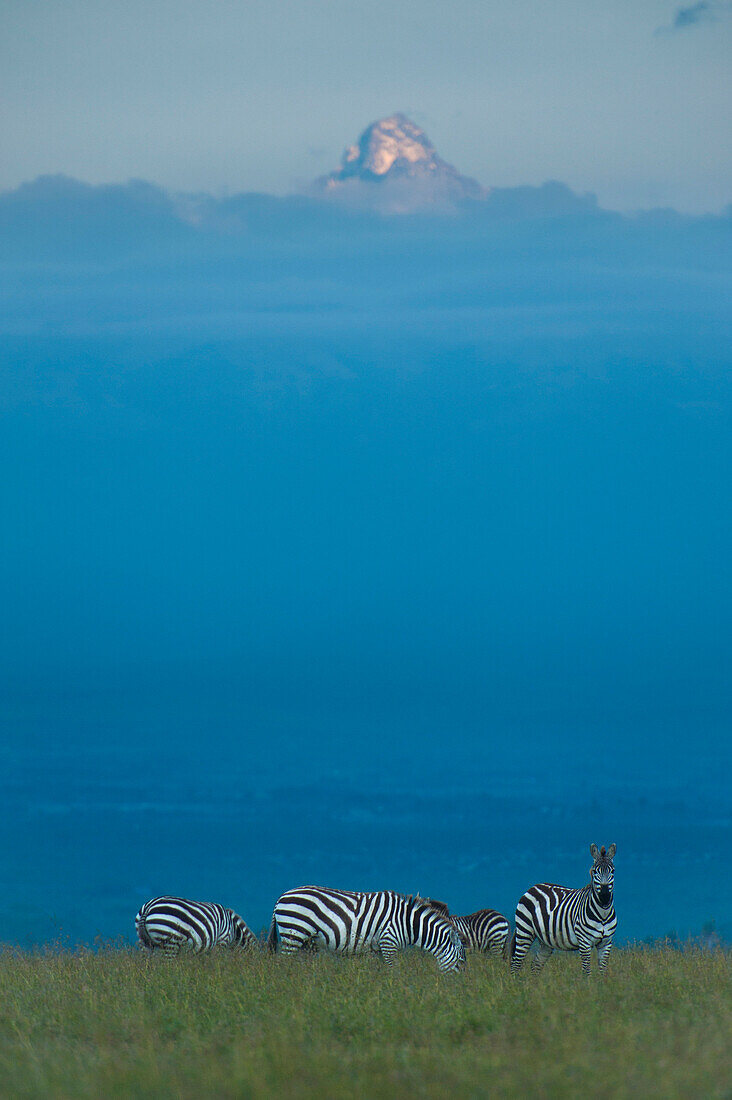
(545, 952)
(522, 941)
(603, 953)
(291, 943)
(387, 948)
(497, 946)
(585, 950)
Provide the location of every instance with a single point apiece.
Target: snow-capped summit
(394, 168)
(391, 144)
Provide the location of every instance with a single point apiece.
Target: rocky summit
(394, 168)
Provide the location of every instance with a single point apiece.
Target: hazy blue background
(375, 552)
(368, 551)
(628, 100)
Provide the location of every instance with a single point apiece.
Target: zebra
(568, 920)
(349, 923)
(174, 924)
(486, 930)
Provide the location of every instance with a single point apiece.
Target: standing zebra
(353, 922)
(173, 924)
(568, 920)
(486, 930)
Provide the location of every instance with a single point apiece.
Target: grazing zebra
(485, 931)
(568, 920)
(174, 924)
(349, 923)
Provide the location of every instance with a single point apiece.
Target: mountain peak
(390, 144)
(394, 168)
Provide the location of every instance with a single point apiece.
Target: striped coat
(485, 931)
(171, 924)
(349, 923)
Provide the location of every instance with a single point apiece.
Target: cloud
(704, 11)
(695, 13)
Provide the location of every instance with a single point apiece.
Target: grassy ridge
(117, 1024)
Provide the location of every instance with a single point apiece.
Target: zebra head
(602, 874)
(241, 934)
(433, 929)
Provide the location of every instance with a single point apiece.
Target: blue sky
(623, 99)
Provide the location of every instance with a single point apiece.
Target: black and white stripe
(349, 922)
(568, 920)
(486, 930)
(173, 924)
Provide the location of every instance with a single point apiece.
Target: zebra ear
(611, 851)
(594, 852)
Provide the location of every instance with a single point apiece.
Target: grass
(115, 1023)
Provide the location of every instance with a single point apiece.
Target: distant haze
(378, 549)
(480, 457)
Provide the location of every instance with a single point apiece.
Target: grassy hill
(114, 1023)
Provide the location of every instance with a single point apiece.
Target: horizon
(305, 190)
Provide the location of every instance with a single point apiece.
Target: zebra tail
(272, 938)
(144, 935)
(510, 946)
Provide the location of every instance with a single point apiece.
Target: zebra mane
(438, 906)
